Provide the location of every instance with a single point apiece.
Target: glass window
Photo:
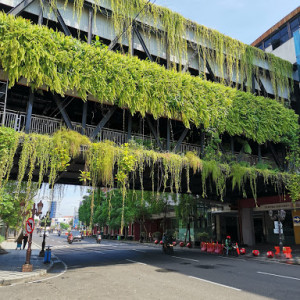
(294, 25)
(260, 46)
(267, 43)
(284, 35)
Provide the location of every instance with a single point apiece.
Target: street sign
(296, 220)
(29, 225)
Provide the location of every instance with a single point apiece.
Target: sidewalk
(263, 249)
(12, 261)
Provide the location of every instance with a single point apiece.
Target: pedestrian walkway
(11, 262)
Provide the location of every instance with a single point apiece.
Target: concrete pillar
(218, 227)
(248, 226)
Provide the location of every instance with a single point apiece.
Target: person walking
(25, 239)
(19, 241)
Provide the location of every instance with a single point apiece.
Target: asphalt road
(126, 270)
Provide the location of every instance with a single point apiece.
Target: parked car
(74, 236)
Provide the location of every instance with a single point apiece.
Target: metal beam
(186, 67)
(129, 126)
(232, 145)
(211, 73)
(274, 154)
(153, 132)
(259, 153)
(5, 103)
(20, 7)
(63, 112)
(182, 137)
(261, 86)
(41, 14)
(168, 135)
(60, 19)
(202, 139)
(102, 123)
(84, 114)
(114, 42)
(90, 27)
(140, 38)
(29, 111)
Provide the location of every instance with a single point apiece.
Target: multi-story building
(283, 40)
(150, 33)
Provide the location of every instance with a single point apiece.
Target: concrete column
(248, 226)
(218, 227)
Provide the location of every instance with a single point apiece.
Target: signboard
(296, 220)
(29, 225)
(276, 227)
(276, 206)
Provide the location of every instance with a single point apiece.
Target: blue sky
(244, 20)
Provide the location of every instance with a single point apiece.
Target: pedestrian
(25, 239)
(19, 241)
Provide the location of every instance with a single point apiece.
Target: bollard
(47, 257)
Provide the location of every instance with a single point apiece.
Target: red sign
(29, 225)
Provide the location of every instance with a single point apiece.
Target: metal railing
(47, 125)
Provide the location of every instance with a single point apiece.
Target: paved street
(127, 270)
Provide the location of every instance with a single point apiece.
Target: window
(260, 46)
(267, 43)
(295, 24)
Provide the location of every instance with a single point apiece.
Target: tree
(64, 226)
(14, 207)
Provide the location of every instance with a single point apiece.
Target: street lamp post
(280, 216)
(42, 252)
(27, 267)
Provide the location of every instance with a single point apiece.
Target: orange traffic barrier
(219, 248)
(203, 246)
(287, 251)
(277, 250)
(210, 247)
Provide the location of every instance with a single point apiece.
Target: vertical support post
(168, 135)
(259, 153)
(168, 53)
(84, 114)
(129, 126)
(90, 31)
(29, 111)
(232, 145)
(202, 138)
(85, 104)
(253, 84)
(41, 14)
(131, 48)
(5, 102)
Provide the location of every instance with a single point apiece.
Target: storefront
(257, 226)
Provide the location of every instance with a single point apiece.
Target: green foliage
(59, 63)
(15, 202)
(64, 226)
(240, 58)
(2, 239)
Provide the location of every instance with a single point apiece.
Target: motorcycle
(70, 239)
(232, 249)
(98, 239)
(168, 248)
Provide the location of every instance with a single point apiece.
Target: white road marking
(136, 262)
(215, 283)
(186, 258)
(139, 250)
(281, 276)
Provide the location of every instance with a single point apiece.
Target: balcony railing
(47, 125)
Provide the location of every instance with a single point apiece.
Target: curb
(6, 282)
